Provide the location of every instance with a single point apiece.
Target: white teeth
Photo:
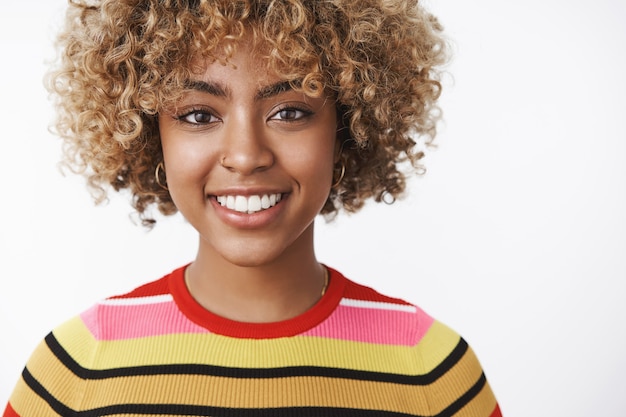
(265, 202)
(230, 202)
(248, 204)
(254, 203)
(241, 203)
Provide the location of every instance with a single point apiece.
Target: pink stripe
(368, 325)
(111, 322)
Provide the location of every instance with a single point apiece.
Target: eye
(290, 114)
(197, 117)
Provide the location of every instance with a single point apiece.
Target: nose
(245, 149)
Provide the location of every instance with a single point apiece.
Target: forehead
(250, 61)
(243, 68)
(250, 53)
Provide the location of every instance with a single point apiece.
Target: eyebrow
(212, 88)
(273, 90)
(220, 90)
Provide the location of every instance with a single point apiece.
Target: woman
(250, 118)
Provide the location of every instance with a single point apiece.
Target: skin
(241, 131)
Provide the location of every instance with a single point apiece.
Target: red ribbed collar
(220, 325)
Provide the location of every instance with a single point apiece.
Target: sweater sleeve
(37, 389)
(457, 385)
(49, 386)
(477, 398)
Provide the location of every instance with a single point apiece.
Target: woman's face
(249, 161)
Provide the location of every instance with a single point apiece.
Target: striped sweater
(155, 351)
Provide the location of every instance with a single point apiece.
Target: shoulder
(401, 322)
(133, 313)
(57, 371)
(96, 323)
(426, 333)
(442, 359)
(74, 343)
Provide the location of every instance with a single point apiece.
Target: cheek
(314, 161)
(185, 162)
(168, 143)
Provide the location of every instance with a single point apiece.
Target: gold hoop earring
(157, 176)
(341, 175)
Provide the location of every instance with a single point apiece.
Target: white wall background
(516, 237)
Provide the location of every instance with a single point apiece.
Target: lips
(249, 204)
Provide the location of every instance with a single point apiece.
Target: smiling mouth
(249, 204)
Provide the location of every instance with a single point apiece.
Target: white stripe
(153, 299)
(349, 302)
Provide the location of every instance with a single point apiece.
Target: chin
(256, 248)
(250, 255)
(248, 261)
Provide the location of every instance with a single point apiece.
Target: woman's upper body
(250, 118)
(156, 351)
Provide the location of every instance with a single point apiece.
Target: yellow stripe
(274, 392)
(58, 380)
(262, 393)
(77, 340)
(231, 352)
(259, 393)
(26, 403)
(256, 393)
(482, 405)
(435, 346)
(458, 380)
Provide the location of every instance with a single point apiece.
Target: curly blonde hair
(124, 61)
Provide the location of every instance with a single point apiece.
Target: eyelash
(292, 108)
(305, 113)
(195, 111)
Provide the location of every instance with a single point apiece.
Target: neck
(270, 292)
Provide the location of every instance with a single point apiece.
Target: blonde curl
(123, 61)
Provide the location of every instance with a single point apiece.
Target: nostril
(246, 162)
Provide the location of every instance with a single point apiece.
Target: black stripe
(190, 410)
(228, 372)
(464, 399)
(195, 410)
(43, 393)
